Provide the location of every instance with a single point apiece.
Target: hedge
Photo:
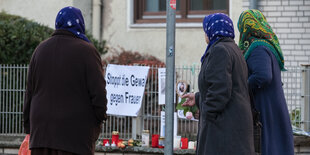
(19, 37)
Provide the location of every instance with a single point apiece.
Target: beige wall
(119, 32)
(45, 11)
(118, 29)
(42, 11)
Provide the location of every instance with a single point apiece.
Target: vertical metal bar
(10, 100)
(1, 102)
(306, 101)
(152, 100)
(117, 123)
(110, 126)
(14, 112)
(25, 73)
(113, 128)
(170, 72)
(121, 127)
(155, 71)
(17, 99)
(125, 130)
(20, 98)
(6, 100)
(300, 84)
(143, 116)
(147, 105)
(128, 126)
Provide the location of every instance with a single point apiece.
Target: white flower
(189, 115)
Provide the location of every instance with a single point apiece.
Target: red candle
(155, 141)
(105, 141)
(115, 137)
(184, 143)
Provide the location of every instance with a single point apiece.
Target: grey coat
(225, 123)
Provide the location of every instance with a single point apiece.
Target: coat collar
(224, 39)
(63, 32)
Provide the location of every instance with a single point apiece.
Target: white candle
(176, 142)
(191, 145)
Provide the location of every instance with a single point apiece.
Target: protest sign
(125, 88)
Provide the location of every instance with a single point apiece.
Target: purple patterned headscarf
(217, 26)
(71, 19)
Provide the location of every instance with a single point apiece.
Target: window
(154, 11)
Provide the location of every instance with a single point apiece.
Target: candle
(161, 142)
(184, 143)
(191, 145)
(177, 142)
(115, 137)
(106, 142)
(155, 141)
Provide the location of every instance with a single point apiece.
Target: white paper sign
(161, 85)
(125, 88)
(162, 124)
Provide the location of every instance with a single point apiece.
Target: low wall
(9, 145)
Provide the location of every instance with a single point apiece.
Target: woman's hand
(190, 99)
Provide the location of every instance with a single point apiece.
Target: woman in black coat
(65, 101)
(225, 120)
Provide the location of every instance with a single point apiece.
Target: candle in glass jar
(145, 138)
(115, 137)
(191, 145)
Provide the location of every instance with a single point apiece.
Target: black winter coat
(65, 101)
(225, 121)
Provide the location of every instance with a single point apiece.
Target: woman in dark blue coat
(265, 62)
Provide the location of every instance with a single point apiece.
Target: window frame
(182, 16)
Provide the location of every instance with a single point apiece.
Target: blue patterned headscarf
(217, 26)
(71, 19)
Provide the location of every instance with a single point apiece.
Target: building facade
(139, 25)
(290, 20)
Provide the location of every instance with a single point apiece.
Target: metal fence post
(136, 126)
(305, 106)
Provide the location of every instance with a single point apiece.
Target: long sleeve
(218, 77)
(197, 96)
(28, 97)
(260, 68)
(96, 86)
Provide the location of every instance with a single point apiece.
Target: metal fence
(13, 84)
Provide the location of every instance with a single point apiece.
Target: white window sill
(163, 25)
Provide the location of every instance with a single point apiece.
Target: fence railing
(13, 85)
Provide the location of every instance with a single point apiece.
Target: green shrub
(20, 37)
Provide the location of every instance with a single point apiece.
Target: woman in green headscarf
(265, 61)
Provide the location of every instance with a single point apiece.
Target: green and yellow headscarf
(255, 31)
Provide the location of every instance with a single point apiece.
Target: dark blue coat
(265, 81)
